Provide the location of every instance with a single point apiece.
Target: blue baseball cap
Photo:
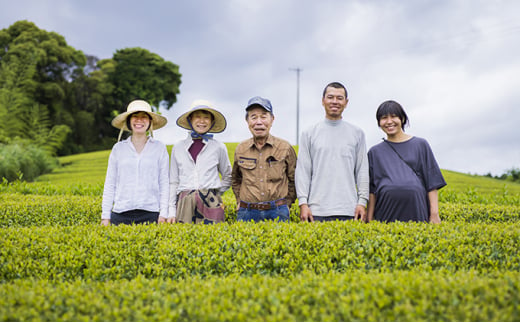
(263, 103)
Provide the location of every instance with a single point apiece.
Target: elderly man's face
(259, 121)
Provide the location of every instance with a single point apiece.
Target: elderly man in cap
(200, 171)
(263, 169)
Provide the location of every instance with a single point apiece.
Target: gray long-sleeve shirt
(332, 168)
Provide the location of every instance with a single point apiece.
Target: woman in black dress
(404, 175)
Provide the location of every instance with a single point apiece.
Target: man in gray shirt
(332, 169)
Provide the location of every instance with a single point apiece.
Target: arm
(109, 189)
(361, 173)
(236, 180)
(303, 179)
(433, 197)
(371, 207)
(362, 179)
(224, 168)
(291, 168)
(174, 183)
(164, 188)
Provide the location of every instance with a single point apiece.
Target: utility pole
(297, 70)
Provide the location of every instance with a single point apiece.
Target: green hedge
(353, 296)
(17, 209)
(476, 212)
(47, 188)
(98, 253)
(40, 210)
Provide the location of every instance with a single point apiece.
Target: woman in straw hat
(136, 185)
(195, 186)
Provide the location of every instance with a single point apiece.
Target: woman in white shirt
(137, 182)
(200, 170)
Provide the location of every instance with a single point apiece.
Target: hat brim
(158, 121)
(219, 125)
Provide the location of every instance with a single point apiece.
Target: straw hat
(219, 123)
(158, 121)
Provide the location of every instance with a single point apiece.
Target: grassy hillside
(90, 168)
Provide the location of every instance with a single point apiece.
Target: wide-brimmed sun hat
(158, 121)
(219, 122)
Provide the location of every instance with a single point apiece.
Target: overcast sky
(453, 65)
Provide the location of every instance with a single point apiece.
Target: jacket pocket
(276, 169)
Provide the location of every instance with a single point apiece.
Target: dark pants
(333, 218)
(134, 217)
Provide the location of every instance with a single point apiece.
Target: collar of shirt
(269, 141)
(189, 141)
(129, 139)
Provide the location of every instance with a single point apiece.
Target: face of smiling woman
(201, 121)
(139, 122)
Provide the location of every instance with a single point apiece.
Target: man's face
(201, 121)
(259, 121)
(334, 103)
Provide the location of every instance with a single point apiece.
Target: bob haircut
(130, 117)
(392, 108)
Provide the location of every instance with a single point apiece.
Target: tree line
(56, 99)
(512, 175)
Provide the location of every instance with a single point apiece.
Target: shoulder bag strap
(400, 157)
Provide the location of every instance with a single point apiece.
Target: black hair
(336, 85)
(392, 108)
(128, 126)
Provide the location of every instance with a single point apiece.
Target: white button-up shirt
(186, 175)
(137, 180)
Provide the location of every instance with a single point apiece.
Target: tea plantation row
(96, 253)
(356, 295)
(38, 210)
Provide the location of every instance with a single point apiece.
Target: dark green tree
(35, 69)
(89, 99)
(136, 73)
(52, 93)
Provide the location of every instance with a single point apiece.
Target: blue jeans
(279, 214)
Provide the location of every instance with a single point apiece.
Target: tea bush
(58, 264)
(39, 210)
(354, 296)
(95, 253)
